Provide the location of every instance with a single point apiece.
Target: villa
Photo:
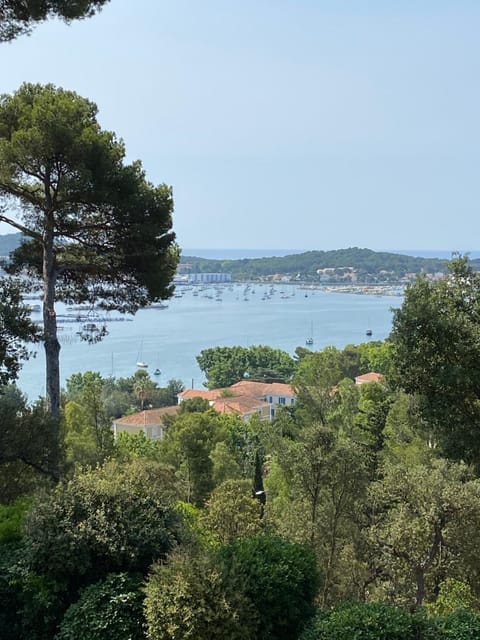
(245, 398)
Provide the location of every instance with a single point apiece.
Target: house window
(270, 399)
(292, 400)
(272, 412)
(281, 400)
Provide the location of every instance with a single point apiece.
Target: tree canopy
(224, 366)
(119, 517)
(30, 446)
(19, 16)
(189, 597)
(16, 330)
(98, 230)
(436, 356)
(424, 524)
(281, 580)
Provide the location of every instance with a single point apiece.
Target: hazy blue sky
(302, 124)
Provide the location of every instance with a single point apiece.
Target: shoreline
(362, 289)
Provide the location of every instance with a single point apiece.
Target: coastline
(360, 289)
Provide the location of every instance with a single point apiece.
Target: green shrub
(12, 517)
(357, 621)
(280, 579)
(452, 595)
(108, 610)
(460, 625)
(10, 622)
(113, 519)
(187, 598)
(378, 621)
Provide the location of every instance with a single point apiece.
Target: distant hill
(9, 242)
(367, 264)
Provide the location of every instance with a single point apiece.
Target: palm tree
(143, 386)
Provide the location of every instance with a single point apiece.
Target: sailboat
(309, 340)
(141, 363)
(112, 377)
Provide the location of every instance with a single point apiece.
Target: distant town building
(209, 277)
(337, 274)
(180, 279)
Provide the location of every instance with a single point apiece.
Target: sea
(169, 339)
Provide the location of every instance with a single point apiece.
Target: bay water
(169, 339)
(198, 318)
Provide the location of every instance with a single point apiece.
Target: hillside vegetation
(365, 262)
(305, 265)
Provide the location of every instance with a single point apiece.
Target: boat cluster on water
(215, 291)
(241, 290)
(366, 290)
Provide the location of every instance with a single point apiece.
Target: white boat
(309, 340)
(140, 362)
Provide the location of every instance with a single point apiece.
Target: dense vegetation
(354, 513)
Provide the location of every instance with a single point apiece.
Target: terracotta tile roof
(280, 389)
(238, 404)
(148, 418)
(259, 389)
(213, 394)
(243, 397)
(368, 377)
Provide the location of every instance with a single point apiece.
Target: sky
(300, 124)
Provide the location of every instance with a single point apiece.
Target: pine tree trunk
(51, 343)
